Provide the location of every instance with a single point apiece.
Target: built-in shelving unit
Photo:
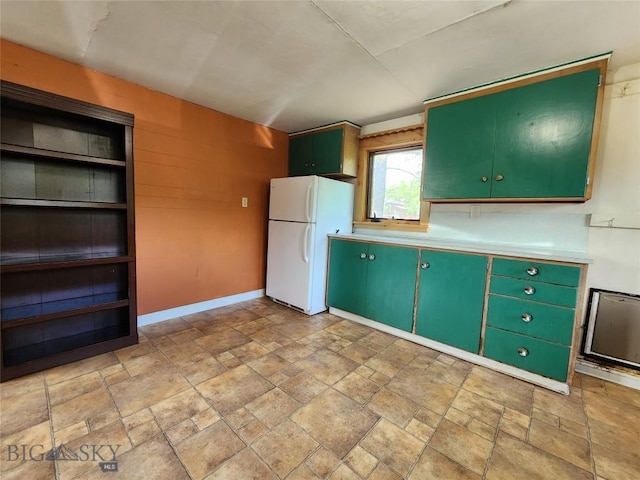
(67, 260)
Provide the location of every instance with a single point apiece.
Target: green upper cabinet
(459, 156)
(528, 142)
(300, 149)
(543, 138)
(451, 298)
(330, 151)
(374, 281)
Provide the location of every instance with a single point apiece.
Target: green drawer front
(544, 358)
(544, 272)
(542, 292)
(545, 321)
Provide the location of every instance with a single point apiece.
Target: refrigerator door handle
(308, 202)
(305, 251)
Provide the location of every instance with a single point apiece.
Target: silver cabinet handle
(499, 178)
(483, 179)
(523, 352)
(527, 317)
(372, 257)
(425, 265)
(533, 271)
(529, 290)
(363, 255)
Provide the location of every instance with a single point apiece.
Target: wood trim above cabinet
(520, 81)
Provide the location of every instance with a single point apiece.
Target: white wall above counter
(509, 250)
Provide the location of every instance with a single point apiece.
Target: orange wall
(192, 166)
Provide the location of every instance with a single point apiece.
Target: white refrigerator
(302, 212)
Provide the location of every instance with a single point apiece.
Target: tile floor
(257, 391)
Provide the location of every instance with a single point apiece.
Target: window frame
(371, 159)
(396, 139)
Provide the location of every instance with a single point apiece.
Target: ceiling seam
(504, 4)
(362, 47)
(95, 28)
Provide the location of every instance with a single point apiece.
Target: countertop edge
(474, 247)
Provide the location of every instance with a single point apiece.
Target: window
(394, 184)
(388, 190)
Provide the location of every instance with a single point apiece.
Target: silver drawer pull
(372, 257)
(533, 271)
(523, 352)
(529, 290)
(425, 265)
(527, 317)
(363, 255)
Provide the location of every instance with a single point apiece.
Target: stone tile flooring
(258, 391)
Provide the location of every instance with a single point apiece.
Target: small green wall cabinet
(526, 141)
(330, 151)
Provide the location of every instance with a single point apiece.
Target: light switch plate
(245, 202)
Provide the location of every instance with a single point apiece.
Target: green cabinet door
(391, 285)
(348, 262)
(543, 138)
(300, 152)
(451, 298)
(531, 354)
(459, 149)
(326, 156)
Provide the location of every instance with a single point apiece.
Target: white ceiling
(294, 65)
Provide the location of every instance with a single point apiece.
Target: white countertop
(524, 251)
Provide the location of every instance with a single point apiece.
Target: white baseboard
(554, 385)
(162, 315)
(610, 374)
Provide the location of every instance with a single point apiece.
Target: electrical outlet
(245, 202)
(474, 211)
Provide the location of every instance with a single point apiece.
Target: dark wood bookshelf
(66, 261)
(56, 156)
(25, 319)
(67, 231)
(27, 202)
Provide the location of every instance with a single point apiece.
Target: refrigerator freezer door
(290, 263)
(293, 199)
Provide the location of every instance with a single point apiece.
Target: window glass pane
(394, 184)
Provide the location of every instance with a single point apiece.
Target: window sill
(404, 226)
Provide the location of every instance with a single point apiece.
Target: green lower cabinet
(391, 285)
(377, 282)
(534, 291)
(347, 285)
(547, 322)
(537, 271)
(531, 354)
(451, 298)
